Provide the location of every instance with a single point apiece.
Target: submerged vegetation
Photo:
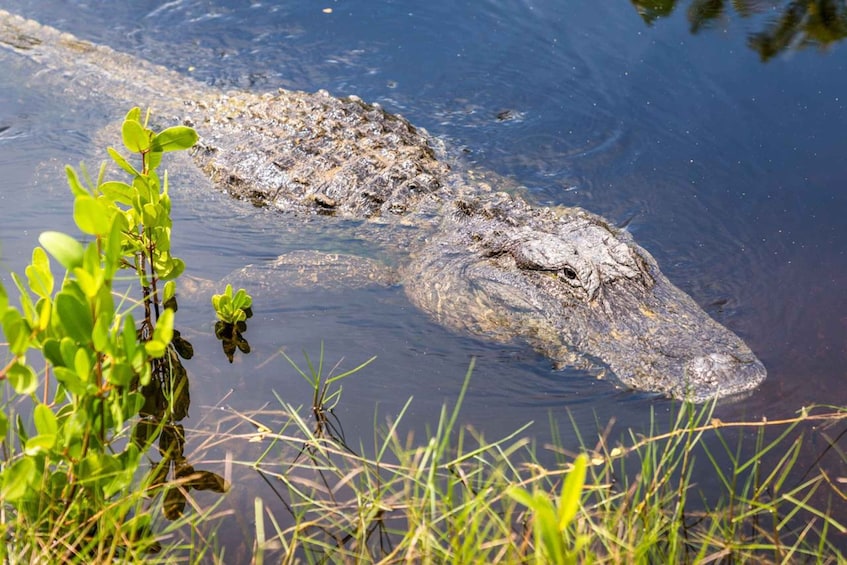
(94, 466)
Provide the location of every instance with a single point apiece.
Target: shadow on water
(796, 25)
(167, 399)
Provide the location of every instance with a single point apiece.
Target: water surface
(730, 170)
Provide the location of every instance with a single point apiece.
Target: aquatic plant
(79, 363)
(230, 308)
(232, 312)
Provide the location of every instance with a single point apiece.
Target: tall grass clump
(455, 497)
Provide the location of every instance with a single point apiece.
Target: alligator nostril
(713, 368)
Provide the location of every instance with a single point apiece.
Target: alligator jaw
(661, 340)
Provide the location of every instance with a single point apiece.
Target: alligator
(475, 256)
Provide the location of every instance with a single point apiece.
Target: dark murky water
(729, 170)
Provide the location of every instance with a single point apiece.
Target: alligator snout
(721, 374)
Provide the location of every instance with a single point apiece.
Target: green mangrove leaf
(17, 479)
(44, 308)
(146, 193)
(68, 348)
(73, 182)
(4, 426)
(113, 250)
(121, 161)
(75, 317)
(177, 269)
(162, 334)
(100, 336)
(115, 411)
(67, 251)
(119, 192)
(136, 137)
(91, 263)
(127, 463)
(104, 304)
(155, 185)
(242, 300)
(56, 485)
(132, 404)
(4, 299)
(93, 467)
(165, 326)
(149, 213)
(74, 430)
(155, 348)
(83, 363)
(223, 302)
(38, 274)
(39, 444)
(22, 378)
(52, 352)
(120, 374)
(169, 291)
(92, 216)
(45, 420)
(20, 430)
(166, 199)
(70, 380)
(162, 234)
(134, 113)
(89, 283)
(17, 331)
(175, 138)
(154, 159)
(26, 300)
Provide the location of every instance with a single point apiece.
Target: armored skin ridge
(479, 260)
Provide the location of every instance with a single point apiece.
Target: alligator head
(579, 291)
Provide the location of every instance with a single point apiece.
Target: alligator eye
(569, 273)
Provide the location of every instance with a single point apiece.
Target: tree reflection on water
(795, 25)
